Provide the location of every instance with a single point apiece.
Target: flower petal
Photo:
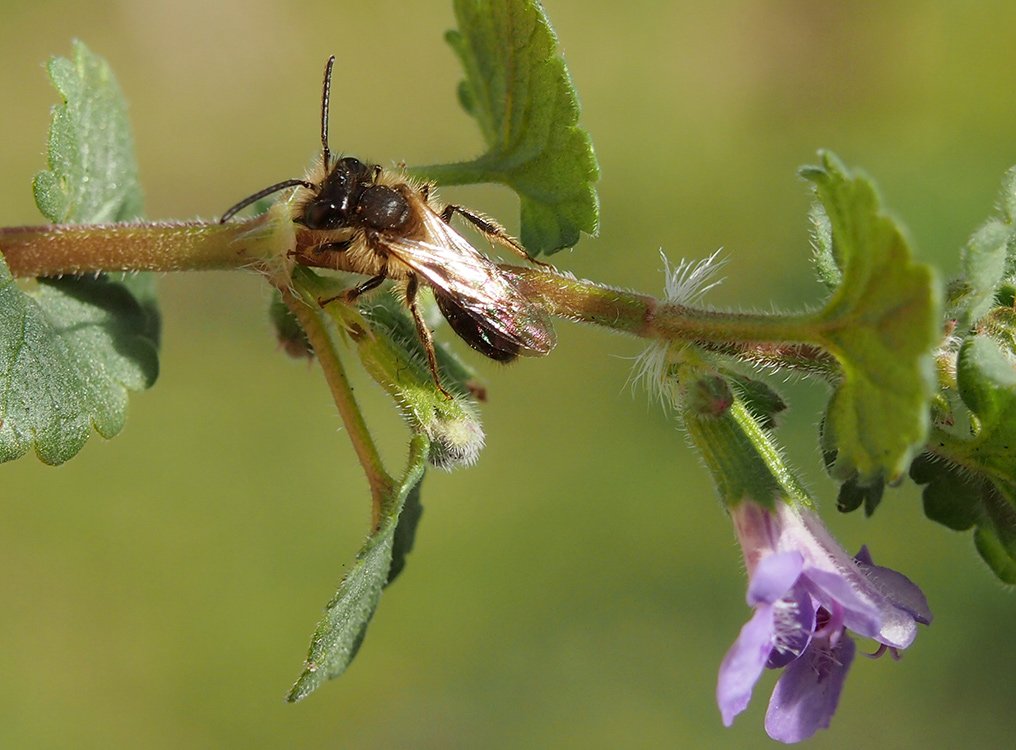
(808, 692)
(743, 664)
(876, 603)
(860, 613)
(899, 589)
(774, 576)
(793, 624)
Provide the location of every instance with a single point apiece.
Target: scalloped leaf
(974, 481)
(983, 261)
(338, 636)
(518, 89)
(822, 248)
(92, 176)
(70, 349)
(987, 385)
(881, 324)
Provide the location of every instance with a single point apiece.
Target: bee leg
(424, 333)
(351, 295)
(492, 230)
(338, 247)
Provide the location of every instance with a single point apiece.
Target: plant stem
(56, 250)
(262, 244)
(381, 484)
(766, 340)
(459, 173)
(763, 339)
(647, 317)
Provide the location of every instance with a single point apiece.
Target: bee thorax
(383, 208)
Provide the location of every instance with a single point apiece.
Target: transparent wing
(474, 286)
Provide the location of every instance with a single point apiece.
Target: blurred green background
(579, 586)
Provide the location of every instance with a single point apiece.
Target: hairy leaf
(983, 260)
(761, 400)
(390, 350)
(973, 482)
(92, 176)
(338, 636)
(519, 90)
(291, 337)
(405, 532)
(69, 352)
(70, 349)
(881, 324)
(987, 385)
(822, 248)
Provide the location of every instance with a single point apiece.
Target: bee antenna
(234, 210)
(325, 97)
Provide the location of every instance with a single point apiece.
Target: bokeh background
(579, 586)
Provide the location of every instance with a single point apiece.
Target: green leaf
(1007, 197)
(519, 90)
(973, 480)
(405, 532)
(853, 495)
(983, 262)
(999, 558)
(70, 349)
(390, 350)
(338, 636)
(987, 385)
(761, 400)
(1000, 324)
(392, 354)
(822, 247)
(291, 337)
(881, 324)
(952, 497)
(92, 176)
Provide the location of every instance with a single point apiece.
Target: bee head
(334, 205)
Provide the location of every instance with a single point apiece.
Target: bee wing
(475, 286)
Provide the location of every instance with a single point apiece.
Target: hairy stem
(56, 250)
(381, 484)
(764, 340)
(262, 243)
(459, 173)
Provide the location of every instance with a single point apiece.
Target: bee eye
(322, 215)
(353, 166)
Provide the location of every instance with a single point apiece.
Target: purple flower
(806, 592)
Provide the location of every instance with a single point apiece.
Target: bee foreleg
(423, 332)
(351, 295)
(491, 229)
(338, 247)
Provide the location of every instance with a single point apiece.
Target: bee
(391, 227)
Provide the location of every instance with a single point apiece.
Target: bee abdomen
(480, 337)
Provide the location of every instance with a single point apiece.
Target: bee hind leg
(424, 333)
(492, 230)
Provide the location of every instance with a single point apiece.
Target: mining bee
(392, 227)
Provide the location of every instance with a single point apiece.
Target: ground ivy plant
(922, 376)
